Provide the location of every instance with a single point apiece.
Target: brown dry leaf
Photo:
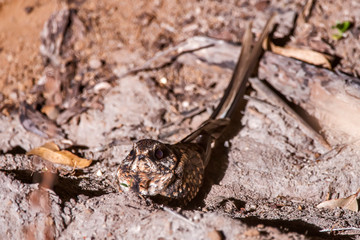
(51, 111)
(305, 55)
(50, 145)
(51, 152)
(349, 203)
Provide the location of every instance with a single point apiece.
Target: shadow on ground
(65, 187)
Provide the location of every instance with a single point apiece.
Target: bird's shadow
(219, 160)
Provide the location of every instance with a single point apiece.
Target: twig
(340, 229)
(255, 99)
(273, 97)
(188, 115)
(305, 14)
(171, 58)
(178, 122)
(179, 216)
(336, 150)
(169, 134)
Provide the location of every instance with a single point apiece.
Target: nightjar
(175, 172)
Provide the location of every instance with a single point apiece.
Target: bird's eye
(132, 153)
(159, 154)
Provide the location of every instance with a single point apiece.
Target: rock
(95, 63)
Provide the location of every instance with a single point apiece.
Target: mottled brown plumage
(172, 171)
(176, 171)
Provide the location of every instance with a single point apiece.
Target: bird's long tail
(212, 128)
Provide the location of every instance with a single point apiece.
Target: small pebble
(185, 104)
(253, 207)
(163, 80)
(101, 86)
(13, 96)
(95, 63)
(99, 173)
(190, 88)
(215, 235)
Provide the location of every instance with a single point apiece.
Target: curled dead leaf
(51, 111)
(349, 203)
(305, 55)
(52, 153)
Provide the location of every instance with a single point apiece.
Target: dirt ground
(96, 76)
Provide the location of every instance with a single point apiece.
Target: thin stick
(340, 229)
(179, 216)
(171, 58)
(305, 14)
(186, 116)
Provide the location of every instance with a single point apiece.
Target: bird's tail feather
(214, 126)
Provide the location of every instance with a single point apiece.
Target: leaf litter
(52, 153)
(349, 203)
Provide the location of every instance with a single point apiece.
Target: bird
(174, 173)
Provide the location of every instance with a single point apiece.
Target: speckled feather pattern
(176, 173)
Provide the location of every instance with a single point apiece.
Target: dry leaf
(50, 145)
(51, 152)
(305, 55)
(349, 203)
(51, 111)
